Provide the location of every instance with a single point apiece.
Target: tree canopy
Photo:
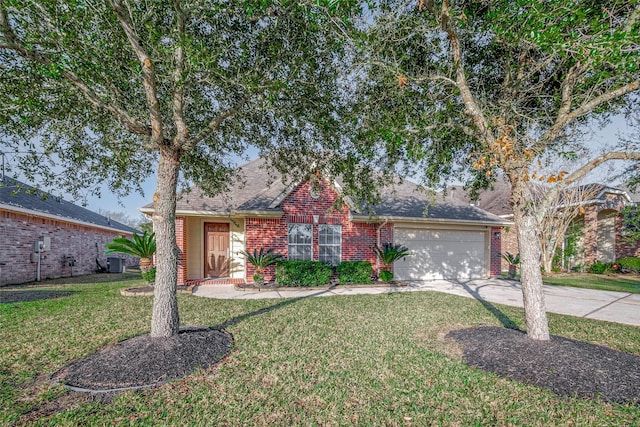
(474, 89)
(105, 91)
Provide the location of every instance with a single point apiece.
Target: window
(300, 240)
(330, 244)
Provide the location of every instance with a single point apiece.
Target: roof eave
(422, 220)
(229, 214)
(61, 218)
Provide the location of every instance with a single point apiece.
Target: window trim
(339, 244)
(289, 244)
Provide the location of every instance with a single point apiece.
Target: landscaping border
(250, 287)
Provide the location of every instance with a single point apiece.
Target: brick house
(448, 239)
(599, 225)
(72, 238)
(602, 225)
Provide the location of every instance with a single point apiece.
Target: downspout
(38, 267)
(385, 222)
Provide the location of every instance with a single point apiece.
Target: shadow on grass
(88, 279)
(14, 296)
(285, 302)
(495, 311)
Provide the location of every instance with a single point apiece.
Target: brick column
(496, 248)
(181, 241)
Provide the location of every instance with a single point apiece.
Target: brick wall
(358, 239)
(265, 233)
(509, 243)
(19, 233)
(496, 248)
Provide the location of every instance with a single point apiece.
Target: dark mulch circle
(143, 361)
(565, 366)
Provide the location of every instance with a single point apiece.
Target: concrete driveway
(620, 307)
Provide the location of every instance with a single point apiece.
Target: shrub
(386, 276)
(629, 264)
(302, 273)
(149, 275)
(600, 267)
(358, 272)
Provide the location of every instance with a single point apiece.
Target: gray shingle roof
(17, 194)
(256, 194)
(261, 189)
(407, 200)
(496, 199)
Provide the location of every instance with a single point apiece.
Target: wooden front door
(216, 249)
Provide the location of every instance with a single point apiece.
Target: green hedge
(599, 267)
(629, 264)
(386, 276)
(302, 273)
(354, 272)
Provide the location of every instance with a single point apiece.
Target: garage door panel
(456, 237)
(440, 255)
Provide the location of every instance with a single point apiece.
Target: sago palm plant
(261, 260)
(141, 246)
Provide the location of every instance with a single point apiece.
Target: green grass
(603, 282)
(348, 360)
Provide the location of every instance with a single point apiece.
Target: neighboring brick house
(599, 224)
(448, 240)
(72, 237)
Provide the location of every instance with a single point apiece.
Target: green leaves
(141, 246)
(390, 253)
(262, 259)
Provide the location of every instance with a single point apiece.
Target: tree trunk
(547, 260)
(530, 275)
(165, 321)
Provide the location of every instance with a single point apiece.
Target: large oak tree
(101, 91)
(475, 89)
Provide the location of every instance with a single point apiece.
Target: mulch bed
(143, 361)
(273, 286)
(565, 366)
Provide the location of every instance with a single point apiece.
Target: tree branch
(178, 84)
(14, 43)
(446, 23)
(148, 76)
(633, 18)
(564, 119)
(213, 125)
(577, 175)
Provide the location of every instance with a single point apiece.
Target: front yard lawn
(347, 360)
(603, 282)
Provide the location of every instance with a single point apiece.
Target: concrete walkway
(620, 307)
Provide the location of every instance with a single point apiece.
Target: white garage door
(439, 254)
